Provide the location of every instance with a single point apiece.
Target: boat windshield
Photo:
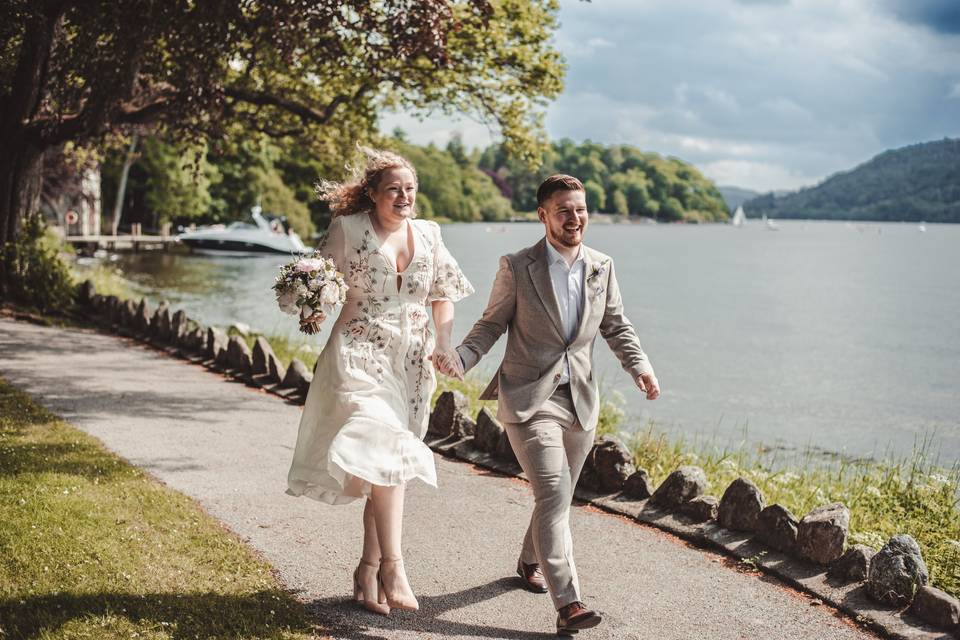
(240, 225)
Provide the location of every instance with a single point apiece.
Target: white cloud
(760, 95)
(599, 43)
(758, 176)
(438, 129)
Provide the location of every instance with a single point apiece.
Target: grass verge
(107, 280)
(912, 495)
(94, 548)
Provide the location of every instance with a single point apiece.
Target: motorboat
(266, 234)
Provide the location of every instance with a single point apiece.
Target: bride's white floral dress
(366, 412)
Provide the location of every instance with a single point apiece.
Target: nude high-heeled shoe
(404, 603)
(376, 606)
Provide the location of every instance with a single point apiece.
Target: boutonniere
(593, 279)
(598, 270)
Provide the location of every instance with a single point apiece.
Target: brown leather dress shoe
(573, 617)
(532, 577)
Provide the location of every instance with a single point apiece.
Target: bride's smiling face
(395, 194)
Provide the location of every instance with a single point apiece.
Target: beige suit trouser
(551, 447)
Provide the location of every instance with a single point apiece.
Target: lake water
(818, 335)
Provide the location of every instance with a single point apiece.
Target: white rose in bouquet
(330, 294)
(287, 300)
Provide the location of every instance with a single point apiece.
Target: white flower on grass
(729, 464)
(873, 491)
(786, 478)
(939, 480)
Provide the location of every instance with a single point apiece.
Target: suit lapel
(591, 297)
(539, 269)
(588, 294)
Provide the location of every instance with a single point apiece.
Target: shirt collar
(555, 256)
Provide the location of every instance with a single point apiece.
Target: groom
(552, 299)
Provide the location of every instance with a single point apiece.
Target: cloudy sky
(762, 94)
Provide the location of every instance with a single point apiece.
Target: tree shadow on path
(188, 616)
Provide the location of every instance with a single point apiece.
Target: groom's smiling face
(564, 215)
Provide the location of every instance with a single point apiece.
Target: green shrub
(34, 274)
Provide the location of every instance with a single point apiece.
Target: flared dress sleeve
(332, 244)
(449, 283)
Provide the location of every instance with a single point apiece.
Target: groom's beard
(568, 239)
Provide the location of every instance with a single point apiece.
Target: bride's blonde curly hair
(353, 195)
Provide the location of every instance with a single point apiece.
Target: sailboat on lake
(739, 217)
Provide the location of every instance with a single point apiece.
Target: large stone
(488, 432)
(776, 527)
(238, 355)
(683, 485)
(194, 340)
(740, 505)
(275, 369)
(638, 486)
(853, 565)
(938, 608)
(608, 465)
(128, 314)
(157, 321)
(261, 351)
(701, 508)
(505, 450)
(178, 327)
(142, 321)
(449, 416)
(298, 377)
(897, 572)
(85, 293)
(216, 341)
(111, 309)
(822, 533)
(241, 328)
(220, 360)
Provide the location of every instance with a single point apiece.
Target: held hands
(447, 361)
(648, 383)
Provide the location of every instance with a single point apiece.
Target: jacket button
(556, 378)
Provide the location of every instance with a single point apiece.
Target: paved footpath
(228, 447)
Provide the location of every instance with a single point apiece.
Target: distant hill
(736, 196)
(916, 183)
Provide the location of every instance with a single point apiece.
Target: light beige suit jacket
(522, 304)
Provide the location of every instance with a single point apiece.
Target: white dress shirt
(568, 289)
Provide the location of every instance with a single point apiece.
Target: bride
(367, 408)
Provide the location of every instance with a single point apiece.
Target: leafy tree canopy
(315, 71)
(618, 179)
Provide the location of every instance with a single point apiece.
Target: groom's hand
(447, 361)
(648, 383)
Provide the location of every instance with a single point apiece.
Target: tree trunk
(21, 175)
(122, 187)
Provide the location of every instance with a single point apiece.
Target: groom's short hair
(555, 183)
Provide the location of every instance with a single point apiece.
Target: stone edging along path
(884, 590)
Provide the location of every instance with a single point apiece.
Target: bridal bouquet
(309, 285)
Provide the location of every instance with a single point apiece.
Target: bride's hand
(316, 318)
(447, 361)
